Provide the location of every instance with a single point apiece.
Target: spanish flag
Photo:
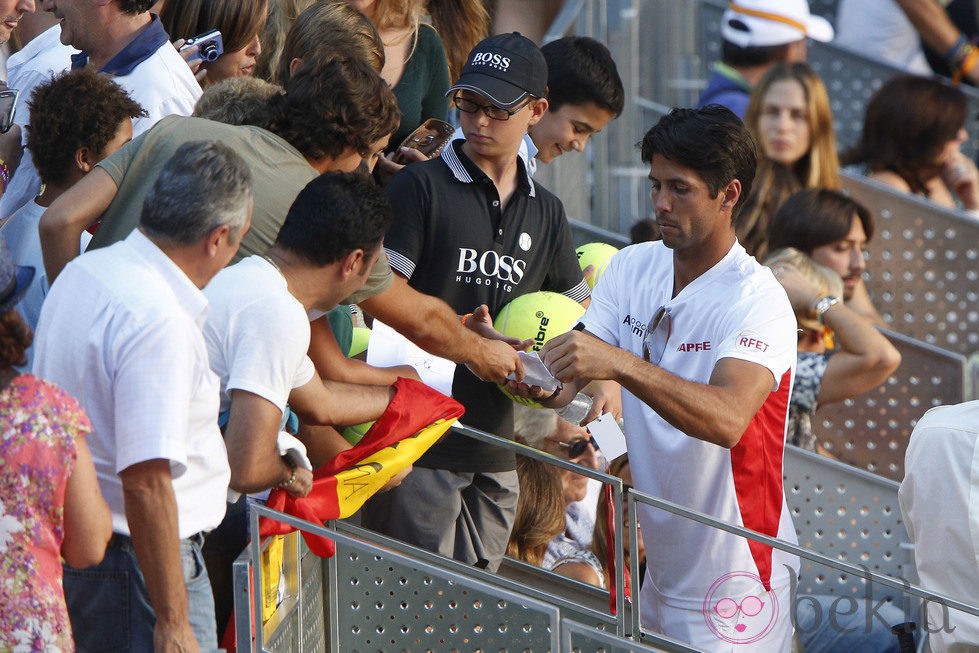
(414, 420)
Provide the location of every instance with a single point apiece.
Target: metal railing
(348, 596)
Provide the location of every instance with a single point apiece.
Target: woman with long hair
(912, 132)
(540, 511)
(415, 64)
(789, 116)
(50, 504)
(240, 23)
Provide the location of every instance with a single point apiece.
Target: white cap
(762, 23)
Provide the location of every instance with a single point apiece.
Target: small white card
(535, 373)
(608, 435)
(387, 347)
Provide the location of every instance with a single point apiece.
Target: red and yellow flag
(414, 420)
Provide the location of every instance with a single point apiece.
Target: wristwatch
(822, 305)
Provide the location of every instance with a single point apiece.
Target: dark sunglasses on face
(577, 448)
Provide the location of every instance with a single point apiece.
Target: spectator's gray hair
(534, 425)
(203, 186)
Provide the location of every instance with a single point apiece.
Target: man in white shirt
(123, 39)
(121, 331)
(702, 340)
(258, 333)
(939, 500)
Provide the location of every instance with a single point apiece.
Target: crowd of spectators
(188, 239)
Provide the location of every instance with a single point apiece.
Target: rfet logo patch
(738, 609)
(751, 341)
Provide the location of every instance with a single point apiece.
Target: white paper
(387, 347)
(609, 436)
(535, 373)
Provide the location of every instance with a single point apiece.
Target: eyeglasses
(492, 111)
(577, 448)
(749, 607)
(654, 342)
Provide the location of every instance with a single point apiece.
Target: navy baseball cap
(505, 69)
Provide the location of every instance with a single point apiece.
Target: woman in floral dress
(50, 504)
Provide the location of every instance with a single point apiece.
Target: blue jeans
(827, 624)
(110, 608)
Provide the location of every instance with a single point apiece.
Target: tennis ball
(358, 342)
(538, 316)
(597, 254)
(353, 434)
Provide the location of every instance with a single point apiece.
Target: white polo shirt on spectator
(121, 331)
(939, 500)
(734, 310)
(154, 74)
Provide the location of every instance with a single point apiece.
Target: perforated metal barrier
(872, 431)
(374, 595)
(923, 271)
(852, 516)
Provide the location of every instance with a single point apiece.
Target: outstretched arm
(62, 224)
(717, 412)
(331, 364)
(432, 325)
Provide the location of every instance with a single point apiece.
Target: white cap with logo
(762, 23)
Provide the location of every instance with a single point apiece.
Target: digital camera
(209, 47)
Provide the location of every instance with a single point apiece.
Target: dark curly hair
(15, 338)
(333, 103)
(97, 107)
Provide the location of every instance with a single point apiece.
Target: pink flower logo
(738, 609)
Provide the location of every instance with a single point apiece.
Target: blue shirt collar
(136, 52)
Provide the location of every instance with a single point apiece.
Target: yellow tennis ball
(358, 341)
(353, 434)
(597, 254)
(537, 316)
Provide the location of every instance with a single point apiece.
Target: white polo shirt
(163, 85)
(257, 333)
(120, 330)
(734, 310)
(939, 500)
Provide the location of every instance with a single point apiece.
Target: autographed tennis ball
(537, 316)
(597, 254)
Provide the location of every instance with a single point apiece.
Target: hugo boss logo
(491, 264)
(490, 59)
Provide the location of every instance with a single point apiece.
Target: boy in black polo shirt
(472, 228)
